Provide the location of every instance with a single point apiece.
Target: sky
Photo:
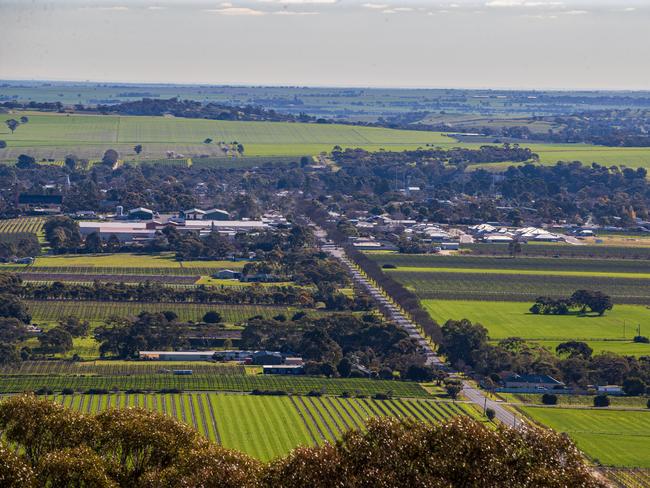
(516, 44)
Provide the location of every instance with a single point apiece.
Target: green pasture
(624, 347)
(128, 260)
(609, 437)
(269, 426)
(512, 319)
(616, 402)
(55, 135)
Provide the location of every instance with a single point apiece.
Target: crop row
(265, 426)
(627, 477)
(510, 287)
(494, 262)
(230, 382)
(52, 310)
(563, 250)
(116, 368)
(31, 225)
(118, 270)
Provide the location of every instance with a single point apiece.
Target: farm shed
(227, 274)
(216, 214)
(287, 369)
(141, 213)
(526, 381)
(40, 203)
(177, 355)
(193, 214)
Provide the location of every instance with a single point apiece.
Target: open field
(266, 426)
(609, 437)
(211, 382)
(128, 260)
(524, 272)
(53, 310)
(552, 250)
(54, 136)
(512, 319)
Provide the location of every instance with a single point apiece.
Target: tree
(71, 162)
(8, 354)
(74, 467)
(3, 144)
(574, 349)
(12, 124)
(212, 317)
(207, 140)
(344, 368)
(24, 119)
(634, 386)
(601, 401)
(25, 162)
(137, 148)
(56, 340)
(461, 340)
(423, 373)
(12, 306)
(453, 390)
(14, 471)
(490, 414)
(93, 243)
(514, 248)
(110, 157)
(74, 326)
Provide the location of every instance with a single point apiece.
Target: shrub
(96, 391)
(170, 390)
(389, 266)
(44, 390)
(490, 414)
(641, 339)
(382, 396)
(634, 386)
(601, 401)
(549, 399)
(67, 391)
(212, 317)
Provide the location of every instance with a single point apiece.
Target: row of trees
(133, 447)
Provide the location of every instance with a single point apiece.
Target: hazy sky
(601, 44)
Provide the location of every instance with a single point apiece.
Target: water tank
(119, 211)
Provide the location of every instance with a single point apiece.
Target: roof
(216, 210)
(26, 198)
(141, 209)
(184, 353)
(283, 366)
(194, 210)
(532, 378)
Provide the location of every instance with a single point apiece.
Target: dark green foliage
(601, 401)
(549, 399)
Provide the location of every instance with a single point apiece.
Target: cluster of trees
(13, 124)
(196, 110)
(19, 245)
(134, 447)
(337, 345)
(467, 347)
(596, 301)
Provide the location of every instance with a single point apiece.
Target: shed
(141, 213)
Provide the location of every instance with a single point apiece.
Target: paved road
(473, 394)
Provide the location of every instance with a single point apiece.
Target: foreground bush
(138, 448)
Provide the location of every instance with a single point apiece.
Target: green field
(512, 319)
(577, 400)
(610, 437)
(266, 426)
(128, 260)
(54, 136)
(523, 272)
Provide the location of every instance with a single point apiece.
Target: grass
(128, 260)
(577, 400)
(512, 319)
(610, 437)
(622, 347)
(54, 135)
(266, 426)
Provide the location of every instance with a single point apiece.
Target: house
(40, 203)
(227, 274)
(141, 213)
(532, 381)
(293, 360)
(216, 214)
(287, 369)
(193, 214)
(610, 390)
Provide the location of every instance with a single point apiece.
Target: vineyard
(609, 437)
(514, 287)
(488, 263)
(627, 477)
(563, 250)
(269, 426)
(30, 225)
(11, 383)
(53, 310)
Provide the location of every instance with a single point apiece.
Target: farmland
(266, 426)
(610, 437)
(31, 225)
(510, 319)
(16, 383)
(93, 311)
(53, 136)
